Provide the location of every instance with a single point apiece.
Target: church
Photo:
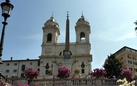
(74, 55)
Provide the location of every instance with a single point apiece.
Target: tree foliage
(113, 66)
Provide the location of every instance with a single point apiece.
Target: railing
(66, 82)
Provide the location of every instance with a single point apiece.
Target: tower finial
(52, 14)
(82, 14)
(67, 14)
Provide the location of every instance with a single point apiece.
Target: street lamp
(136, 27)
(6, 9)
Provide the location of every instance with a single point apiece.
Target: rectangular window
(8, 64)
(23, 67)
(46, 72)
(15, 64)
(30, 63)
(82, 70)
(14, 70)
(38, 62)
(7, 71)
(130, 69)
(38, 69)
(22, 75)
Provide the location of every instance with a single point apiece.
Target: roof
(125, 48)
(20, 60)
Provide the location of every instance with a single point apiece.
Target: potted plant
(77, 71)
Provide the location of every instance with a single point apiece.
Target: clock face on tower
(48, 50)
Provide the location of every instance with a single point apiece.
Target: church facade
(74, 55)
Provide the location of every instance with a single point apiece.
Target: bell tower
(82, 29)
(51, 33)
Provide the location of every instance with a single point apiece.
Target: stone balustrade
(66, 82)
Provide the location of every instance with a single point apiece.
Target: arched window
(82, 37)
(61, 53)
(47, 68)
(49, 38)
(82, 68)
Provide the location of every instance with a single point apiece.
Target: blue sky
(111, 24)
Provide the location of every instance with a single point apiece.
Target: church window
(82, 67)
(49, 38)
(82, 70)
(47, 66)
(60, 53)
(47, 72)
(82, 37)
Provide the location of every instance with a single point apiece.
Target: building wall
(129, 58)
(11, 68)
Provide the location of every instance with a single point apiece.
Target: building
(75, 56)
(128, 56)
(11, 67)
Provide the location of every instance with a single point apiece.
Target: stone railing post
(98, 82)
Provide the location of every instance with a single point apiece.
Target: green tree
(113, 67)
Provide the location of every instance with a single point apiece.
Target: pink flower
(127, 74)
(31, 73)
(63, 72)
(98, 73)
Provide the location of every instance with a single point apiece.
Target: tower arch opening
(82, 37)
(49, 38)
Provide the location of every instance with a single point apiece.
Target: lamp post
(6, 9)
(136, 27)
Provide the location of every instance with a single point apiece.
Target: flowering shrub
(98, 73)
(127, 74)
(2, 83)
(31, 73)
(63, 72)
